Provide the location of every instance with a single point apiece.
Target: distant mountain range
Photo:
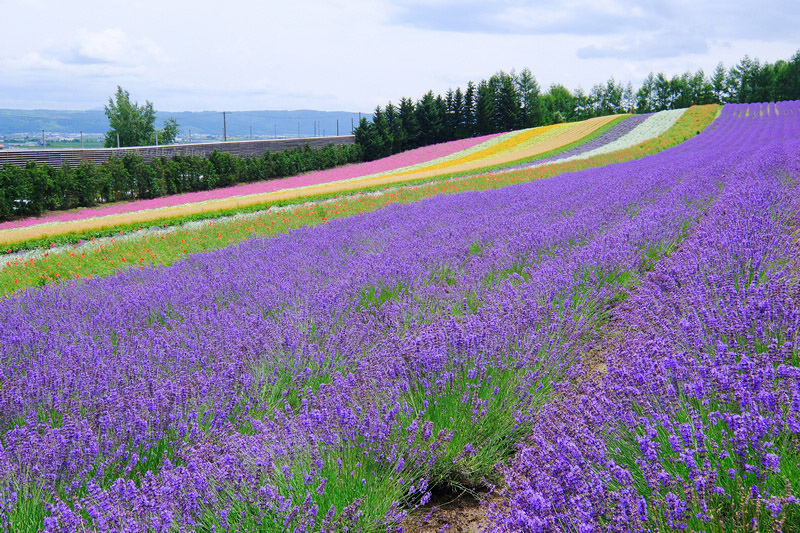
(201, 123)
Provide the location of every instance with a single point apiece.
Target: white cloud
(115, 47)
(107, 53)
(356, 54)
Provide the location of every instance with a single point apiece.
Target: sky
(352, 55)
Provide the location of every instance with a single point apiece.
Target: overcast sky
(351, 55)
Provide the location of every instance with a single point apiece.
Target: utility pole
(337, 127)
(81, 139)
(43, 143)
(352, 128)
(117, 139)
(224, 128)
(298, 130)
(156, 137)
(276, 131)
(251, 133)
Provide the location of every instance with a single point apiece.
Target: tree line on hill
(509, 101)
(32, 190)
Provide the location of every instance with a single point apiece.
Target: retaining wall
(73, 156)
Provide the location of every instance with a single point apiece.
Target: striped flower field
(608, 335)
(463, 156)
(138, 249)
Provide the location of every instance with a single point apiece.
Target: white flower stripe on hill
(652, 127)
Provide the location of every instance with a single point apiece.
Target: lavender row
(697, 423)
(285, 381)
(141, 402)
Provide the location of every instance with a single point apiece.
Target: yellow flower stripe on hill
(552, 131)
(522, 137)
(512, 150)
(455, 155)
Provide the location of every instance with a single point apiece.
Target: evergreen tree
(719, 85)
(367, 137)
(628, 100)
(484, 109)
(429, 119)
(743, 80)
(596, 98)
(409, 125)
(532, 109)
(664, 93)
(612, 98)
(396, 132)
(507, 102)
(583, 108)
(787, 79)
(460, 115)
(470, 124)
(441, 134)
(383, 138)
(701, 89)
(646, 95)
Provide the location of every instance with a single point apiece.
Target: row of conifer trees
(509, 101)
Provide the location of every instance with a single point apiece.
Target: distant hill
(263, 123)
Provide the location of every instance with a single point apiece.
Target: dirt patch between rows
(454, 512)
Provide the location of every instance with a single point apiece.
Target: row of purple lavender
(328, 378)
(696, 425)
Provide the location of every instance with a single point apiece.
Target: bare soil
(454, 512)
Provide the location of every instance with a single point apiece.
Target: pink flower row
(397, 161)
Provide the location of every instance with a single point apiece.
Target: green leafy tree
(133, 124)
(169, 132)
(558, 104)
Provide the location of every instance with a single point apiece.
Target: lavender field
(615, 349)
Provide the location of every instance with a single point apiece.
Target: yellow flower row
(525, 144)
(514, 141)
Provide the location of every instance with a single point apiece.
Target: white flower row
(651, 128)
